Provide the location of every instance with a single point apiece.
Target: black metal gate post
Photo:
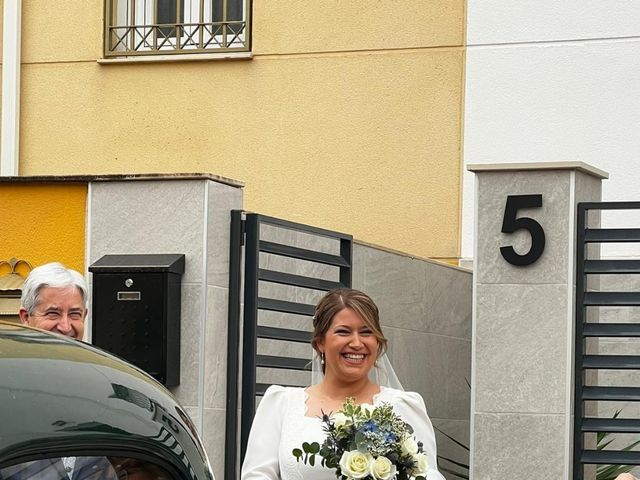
(250, 339)
(233, 341)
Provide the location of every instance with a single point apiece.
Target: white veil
(382, 374)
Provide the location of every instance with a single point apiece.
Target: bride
(349, 344)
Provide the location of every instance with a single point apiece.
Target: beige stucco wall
(348, 116)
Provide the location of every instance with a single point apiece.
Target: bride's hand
(626, 476)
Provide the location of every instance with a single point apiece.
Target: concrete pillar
(189, 214)
(523, 317)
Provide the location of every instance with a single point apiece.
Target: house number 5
(512, 223)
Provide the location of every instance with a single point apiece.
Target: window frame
(127, 33)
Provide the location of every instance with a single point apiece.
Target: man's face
(60, 310)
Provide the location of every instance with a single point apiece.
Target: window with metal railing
(161, 27)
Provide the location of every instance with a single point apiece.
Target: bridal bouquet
(369, 443)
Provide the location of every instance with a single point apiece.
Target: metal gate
(287, 267)
(586, 361)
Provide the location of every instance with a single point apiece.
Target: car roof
(60, 395)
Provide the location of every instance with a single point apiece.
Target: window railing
(163, 27)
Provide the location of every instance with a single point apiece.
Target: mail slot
(136, 311)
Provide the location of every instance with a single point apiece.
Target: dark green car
(70, 411)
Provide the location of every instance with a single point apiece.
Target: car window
(85, 468)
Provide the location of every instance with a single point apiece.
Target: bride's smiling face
(350, 347)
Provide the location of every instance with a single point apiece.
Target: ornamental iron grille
(607, 321)
(287, 268)
(164, 27)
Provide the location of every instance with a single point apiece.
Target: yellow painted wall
(43, 223)
(348, 117)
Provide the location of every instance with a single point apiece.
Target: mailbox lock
(128, 282)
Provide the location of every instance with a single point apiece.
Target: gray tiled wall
(425, 309)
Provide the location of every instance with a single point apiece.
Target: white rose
(355, 464)
(409, 446)
(421, 465)
(383, 469)
(340, 419)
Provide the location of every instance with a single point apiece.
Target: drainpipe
(10, 135)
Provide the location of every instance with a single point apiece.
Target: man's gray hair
(50, 275)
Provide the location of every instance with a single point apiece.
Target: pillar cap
(511, 167)
(118, 177)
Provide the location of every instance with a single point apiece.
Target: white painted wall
(555, 81)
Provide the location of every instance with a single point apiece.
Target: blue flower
(390, 437)
(370, 426)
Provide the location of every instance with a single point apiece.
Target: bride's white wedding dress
(281, 424)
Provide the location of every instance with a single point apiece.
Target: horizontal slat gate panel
(256, 305)
(612, 235)
(286, 334)
(612, 362)
(612, 425)
(289, 363)
(611, 330)
(612, 266)
(286, 307)
(302, 254)
(610, 457)
(612, 299)
(623, 394)
(297, 280)
(585, 330)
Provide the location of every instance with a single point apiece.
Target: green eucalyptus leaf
(362, 444)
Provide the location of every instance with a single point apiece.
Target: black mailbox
(136, 311)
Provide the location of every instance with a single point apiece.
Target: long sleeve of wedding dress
(261, 460)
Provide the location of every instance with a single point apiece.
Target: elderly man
(54, 298)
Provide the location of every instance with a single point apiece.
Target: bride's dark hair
(336, 301)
